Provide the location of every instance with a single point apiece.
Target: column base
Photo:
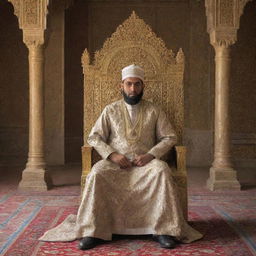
(223, 179)
(35, 179)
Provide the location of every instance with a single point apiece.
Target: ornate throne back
(134, 42)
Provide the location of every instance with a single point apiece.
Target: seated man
(131, 190)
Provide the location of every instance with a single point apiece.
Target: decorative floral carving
(32, 15)
(210, 14)
(31, 9)
(226, 15)
(223, 40)
(223, 20)
(134, 42)
(33, 41)
(85, 59)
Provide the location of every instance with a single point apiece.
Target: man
(131, 190)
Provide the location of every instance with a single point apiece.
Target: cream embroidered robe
(137, 200)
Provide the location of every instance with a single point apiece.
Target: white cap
(133, 71)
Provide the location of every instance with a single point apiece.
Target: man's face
(132, 89)
(132, 86)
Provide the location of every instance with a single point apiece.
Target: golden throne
(134, 42)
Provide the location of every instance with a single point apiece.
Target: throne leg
(86, 164)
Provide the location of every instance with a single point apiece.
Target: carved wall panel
(223, 18)
(32, 16)
(31, 13)
(226, 15)
(31, 8)
(134, 42)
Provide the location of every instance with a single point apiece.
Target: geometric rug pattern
(227, 220)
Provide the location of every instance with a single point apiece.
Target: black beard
(132, 100)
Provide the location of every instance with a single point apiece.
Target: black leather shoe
(89, 243)
(165, 241)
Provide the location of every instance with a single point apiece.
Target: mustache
(132, 100)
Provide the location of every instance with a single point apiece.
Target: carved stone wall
(32, 19)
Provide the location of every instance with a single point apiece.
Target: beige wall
(54, 87)
(243, 89)
(87, 25)
(13, 89)
(179, 24)
(76, 39)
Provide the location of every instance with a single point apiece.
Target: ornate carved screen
(134, 42)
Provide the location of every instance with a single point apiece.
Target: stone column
(222, 23)
(222, 174)
(35, 175)
(32, 20)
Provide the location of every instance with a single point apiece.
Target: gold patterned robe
(136, 200)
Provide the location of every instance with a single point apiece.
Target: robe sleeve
(99, 135)
(165, 136)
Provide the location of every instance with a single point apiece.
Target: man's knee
(161, 167)
(102, 167)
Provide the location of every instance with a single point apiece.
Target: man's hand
(142, 160)
(120, 159)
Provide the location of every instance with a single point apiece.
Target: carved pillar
(222, 24)
(34, 176)
(222, 174)
(32, 20)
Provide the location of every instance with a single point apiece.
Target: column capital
(33, 37)
(223, 20)
(32, 17)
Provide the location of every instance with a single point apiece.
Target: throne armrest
(181, 159)
(180, 177)
(86, 162)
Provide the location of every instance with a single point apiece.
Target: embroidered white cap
(133, 71)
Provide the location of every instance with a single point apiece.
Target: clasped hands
(124, 162)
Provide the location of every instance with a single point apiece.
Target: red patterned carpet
(228, 221)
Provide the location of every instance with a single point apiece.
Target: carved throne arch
(135, 42)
